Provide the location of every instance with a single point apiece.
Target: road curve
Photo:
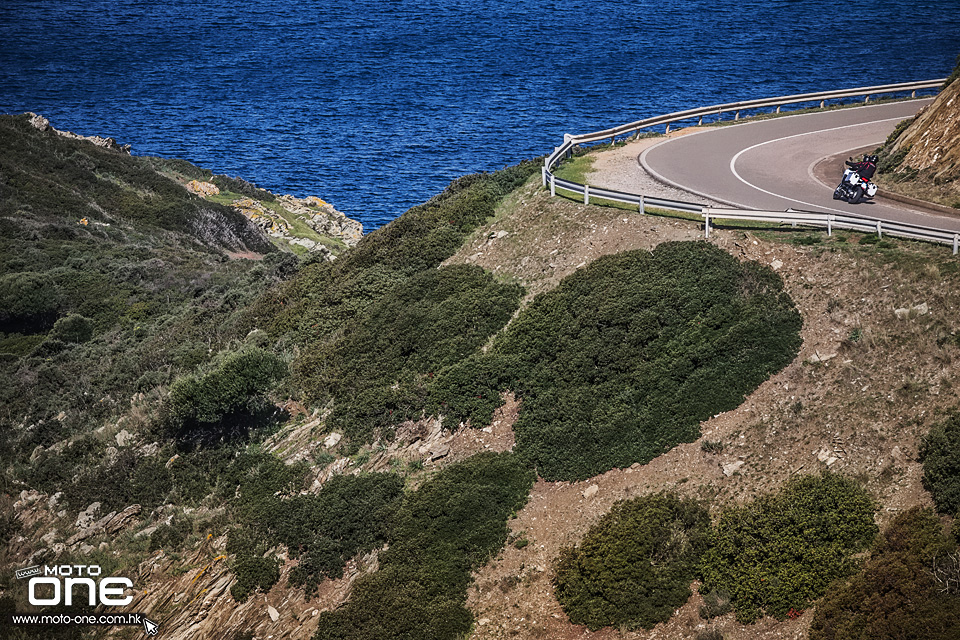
(768, 164)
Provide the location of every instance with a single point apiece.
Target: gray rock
(38, 121)
(88, 515)
(122, 520)
(124, 438)
(332, 440)
(439, 451)
(149, 450)
(273, 613)
(591, 491)
(732, 467)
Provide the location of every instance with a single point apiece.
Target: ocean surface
(376, 106)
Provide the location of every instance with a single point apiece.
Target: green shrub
(170, 536)
(72, 328)
(350, 515)
(940, 454)
(781, 551)
(895, 595)
(244, 188)
(431, 321)
(624, 358)
(445, 529)
(29, 302)
(227, 387)
(254, 573)
(635, 565)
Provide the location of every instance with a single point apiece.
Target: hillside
(501, 415)
(921, 158)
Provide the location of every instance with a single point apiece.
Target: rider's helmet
(874, 159)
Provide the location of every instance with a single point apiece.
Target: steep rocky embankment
(922, 157)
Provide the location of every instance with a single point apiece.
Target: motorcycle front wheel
(838, 193)
(857, 195)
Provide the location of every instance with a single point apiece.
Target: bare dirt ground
(878, 366)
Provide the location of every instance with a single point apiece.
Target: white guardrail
(793, 217)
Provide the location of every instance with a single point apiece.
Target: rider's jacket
(865, 168)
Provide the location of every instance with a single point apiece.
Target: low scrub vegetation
(445, 529)
(909, 587)
(625, 357)
(940, 453)
(780, 552)
(350, 515)
(235, 382)
(635, 565)
(378, 365)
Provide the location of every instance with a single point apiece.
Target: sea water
(376, 106)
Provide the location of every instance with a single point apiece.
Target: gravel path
(619, 169)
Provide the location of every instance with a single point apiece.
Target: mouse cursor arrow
(150, 627)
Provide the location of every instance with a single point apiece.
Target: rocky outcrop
(110, 524)
(279, 218)
(43, 124)
(932, 142)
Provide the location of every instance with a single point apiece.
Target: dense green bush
(635, 565)
(324, 297)
(430, 321)
(940, 453)
(445, 529)
(229, 385)
(350, 515)
(895, 596)
(244, 188)
(782, 550)
(29, 302)
(624, 358)
(72, 328)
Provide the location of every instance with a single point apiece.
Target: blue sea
(376, 106)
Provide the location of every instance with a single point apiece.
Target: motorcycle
(853, 188)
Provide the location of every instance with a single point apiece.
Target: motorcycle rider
(866, 167)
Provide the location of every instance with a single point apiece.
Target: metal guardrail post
(543, 174)
(586, 194)
(553, 185)
(879, 231)
(956, 243)
(830, 218)
(706, 223)
(667, 130)
(643, 211)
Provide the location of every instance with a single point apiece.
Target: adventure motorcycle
(853, 187)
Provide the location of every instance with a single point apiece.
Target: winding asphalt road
(769, 164)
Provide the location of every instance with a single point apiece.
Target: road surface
(769, 164)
